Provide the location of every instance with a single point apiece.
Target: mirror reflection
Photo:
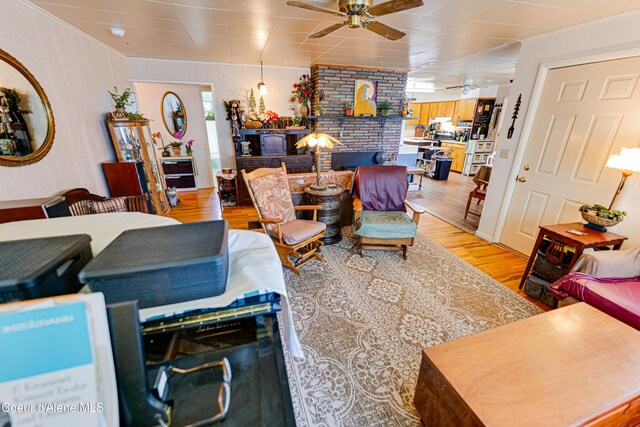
(174, 114)
(26, 121)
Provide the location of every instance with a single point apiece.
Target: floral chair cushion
(273, 197)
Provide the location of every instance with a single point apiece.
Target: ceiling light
(118, 32)
(465, 91)
(261, 86)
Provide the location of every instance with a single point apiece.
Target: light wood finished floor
(503, 266)
(448, 199)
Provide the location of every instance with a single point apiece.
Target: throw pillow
(117, 204)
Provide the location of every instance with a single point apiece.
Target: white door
(586, 113)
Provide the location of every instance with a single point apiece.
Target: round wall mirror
(174, 115)
(26, 119)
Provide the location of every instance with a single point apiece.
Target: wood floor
(503, 266)
(448, 199)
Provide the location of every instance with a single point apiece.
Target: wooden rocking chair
(296, 240)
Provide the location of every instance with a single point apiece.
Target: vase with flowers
(189, 146)
(165, 148)
(303, 92)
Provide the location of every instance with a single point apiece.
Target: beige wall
(228, 81)
(149, 99)
(75, 73)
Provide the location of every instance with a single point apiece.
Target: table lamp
(628, 161)
(314, 141)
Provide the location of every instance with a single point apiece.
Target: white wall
(228, 81)
(75, 73)
(599, 40)
(149, 99)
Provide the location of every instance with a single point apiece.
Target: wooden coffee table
(571, 366)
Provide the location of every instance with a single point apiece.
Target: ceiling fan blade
(327, 30)
(316, 8)
(393, 6)
(455, 87)
(384, 30)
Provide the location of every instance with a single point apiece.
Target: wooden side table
(560, 237)
(220, 181)
(570, 366)
(329, 198)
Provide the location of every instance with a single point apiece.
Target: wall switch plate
(504, 153)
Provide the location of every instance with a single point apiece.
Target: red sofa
(618, 297)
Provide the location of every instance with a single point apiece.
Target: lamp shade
(320, 139)
(263, 89)
(627, 160)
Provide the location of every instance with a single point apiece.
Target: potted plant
(384, 108)
(601, 216)
(121, 100)
(296, 123)
(303, 92)
(348, 109)
(164, 149)
(189, 146)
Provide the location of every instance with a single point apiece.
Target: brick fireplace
(357, 134)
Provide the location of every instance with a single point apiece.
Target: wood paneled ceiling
(446, 39)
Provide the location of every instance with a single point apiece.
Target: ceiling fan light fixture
(262, 87)
(465, 90)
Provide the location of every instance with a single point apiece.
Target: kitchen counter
(422, 142)
(452, 141)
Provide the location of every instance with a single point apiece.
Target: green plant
(13, 98)
(121, 99)
(210, 115)
(603, 212)
(385, 106)
(135, 116)
(176, 144)
(297, 121)
(348, 105)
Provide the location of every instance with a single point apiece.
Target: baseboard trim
(484, 236)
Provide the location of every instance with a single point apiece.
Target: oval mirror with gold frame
(174, 114)
(27, 127)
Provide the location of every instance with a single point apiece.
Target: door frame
(527, 126)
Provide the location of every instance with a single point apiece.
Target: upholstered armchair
(380, 219)
(296, 240)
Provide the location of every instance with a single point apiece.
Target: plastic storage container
(162, 265)
(443, 166)
(39, 268)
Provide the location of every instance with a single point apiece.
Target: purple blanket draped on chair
(381, 188)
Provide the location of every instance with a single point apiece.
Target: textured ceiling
(446, 39)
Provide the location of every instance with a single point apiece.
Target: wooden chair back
(78, 200)
(257, 174)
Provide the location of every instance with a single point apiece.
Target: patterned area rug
(363, 322)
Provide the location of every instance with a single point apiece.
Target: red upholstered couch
(618, 297)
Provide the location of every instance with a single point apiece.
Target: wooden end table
(558, 234)
(571, 366)
(329, 198)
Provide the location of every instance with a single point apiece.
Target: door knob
(526, 167)
(521, 179)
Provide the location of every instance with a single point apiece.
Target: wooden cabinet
(467, 109)
(449, 108)
(458, 155)
(21, 210)
(417, 108)
(133, 143)
(424, 113)
(433, 109)
(442, 109)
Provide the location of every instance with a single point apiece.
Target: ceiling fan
(466, 86)
(360, 13)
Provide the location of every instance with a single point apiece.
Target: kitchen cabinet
(458, 155)
(467, 109)
(433, 109)
(417, 108)
(449, 107)
(442, 108)
(424, 114)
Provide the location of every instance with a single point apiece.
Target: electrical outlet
(504, 153)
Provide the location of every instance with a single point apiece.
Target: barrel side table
(329, 198)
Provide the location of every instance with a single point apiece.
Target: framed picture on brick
(365, 98)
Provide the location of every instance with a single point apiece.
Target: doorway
(586, 113)
(210, 121)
